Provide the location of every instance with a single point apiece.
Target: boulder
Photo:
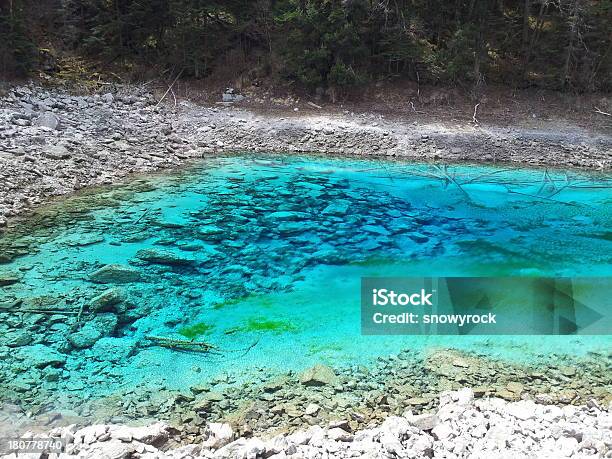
(57, 152)
(319, 375)
(107, 300)
(425, 421)
(92, 331)
(338, 434)
(40, 356)
(153, 434)
(17, 337)
(219, 435)
(442, 431)
(242, 448)
(9, 278)
(114, 349)
(312, 409)
(107, 98)
(49, 120)
(115, 274)
(523, 410)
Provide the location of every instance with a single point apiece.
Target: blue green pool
(266, 253)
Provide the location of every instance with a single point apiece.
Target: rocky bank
(53, 143)
(461, 427)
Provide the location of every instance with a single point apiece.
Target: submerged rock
(163, 257)
(115, 274)
(319, 375)
(209, 232)
(17, 337)
(338, 208)
(40, 356)
(114, 349)
(107, 300)
(101, 325)
(287, 216)
(9, 278)
(204, 402)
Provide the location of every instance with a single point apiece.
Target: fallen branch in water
(184, 344)
(602, 113)
(39, 311)
(541, 197)
(451, 179)
(80, 313)
(146, 211)
(194, 346)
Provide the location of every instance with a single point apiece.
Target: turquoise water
(266, 254)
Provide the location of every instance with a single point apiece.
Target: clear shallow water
(270, 250)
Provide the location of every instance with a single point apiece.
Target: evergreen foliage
(328, 44)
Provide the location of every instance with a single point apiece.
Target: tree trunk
(526, 15)
(570, 47)
(534, 36)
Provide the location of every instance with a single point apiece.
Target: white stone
(220, 434)
(312, 409)
(338, 434)
(442, 431)
(525, 409)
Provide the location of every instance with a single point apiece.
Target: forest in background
(319, 44)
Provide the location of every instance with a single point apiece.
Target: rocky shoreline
(282, 404)
(54, 143)
(462, 426)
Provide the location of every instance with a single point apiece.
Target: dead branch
(170, 88)
(143, 215)
(474, 120)
(194, 346)
(78, 318)
(602, 113)
(451, 179)
(487, 174)
(413, 108)
(183, 344)
(541, 197)
(38, 311)
(173, 96)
